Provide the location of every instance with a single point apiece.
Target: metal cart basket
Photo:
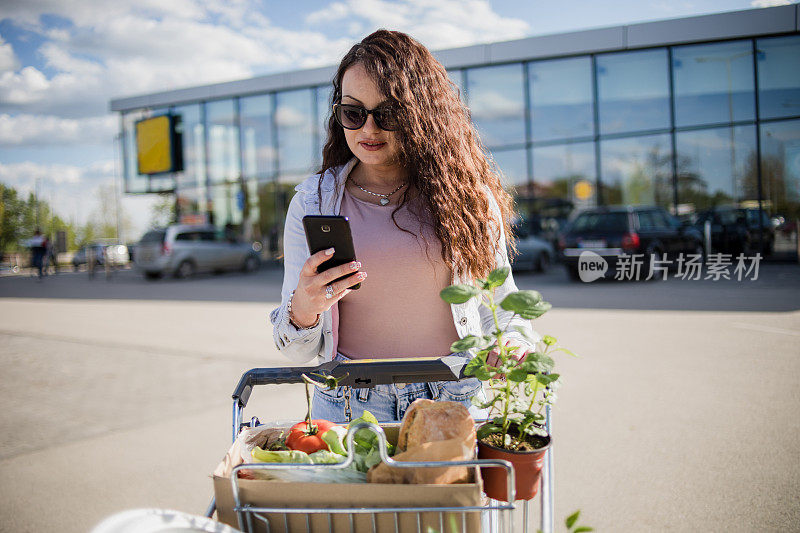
(495, 516)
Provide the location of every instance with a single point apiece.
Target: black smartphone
(328, 231)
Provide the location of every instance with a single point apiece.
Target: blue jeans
(389, 403)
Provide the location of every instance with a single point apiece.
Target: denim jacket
(303, 345)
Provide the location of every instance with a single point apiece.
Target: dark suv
(615, 230)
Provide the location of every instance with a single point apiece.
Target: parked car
(735, 230)
(184, 250)
(114, 252)
(534, 253)
(615, 230)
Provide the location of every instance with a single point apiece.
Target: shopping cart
(496, 515)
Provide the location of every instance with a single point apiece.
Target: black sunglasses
(353, 117)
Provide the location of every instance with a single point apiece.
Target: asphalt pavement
(680, 413)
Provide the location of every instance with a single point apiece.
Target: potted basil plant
(519, 390)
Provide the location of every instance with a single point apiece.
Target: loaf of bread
(431, 431)
(429, 421)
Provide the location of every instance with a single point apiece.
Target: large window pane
(633, 91)
(716, 167)
(779, 76)
(780, 180)
(258, 150)
(194, 163)
(637, 170)
(223, 141)
(295, 119)
(566, 171)
(713, 83)
(561, 99)
(495, 96)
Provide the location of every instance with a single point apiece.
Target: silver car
(534, 254)
(183, 250)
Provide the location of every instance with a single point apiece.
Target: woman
(403, 162)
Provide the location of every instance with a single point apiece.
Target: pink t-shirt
(397, 312)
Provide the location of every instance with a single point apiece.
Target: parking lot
(680, 414)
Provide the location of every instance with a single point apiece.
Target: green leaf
(527, 304)
(517, 375)
(536, 311)
(560, 349)
(474, 364)
(546, 379)
(462, 345)
(497, 277)
(549, 340)
(583, 529)
(459, 294)
(488, 429)
(571, 519)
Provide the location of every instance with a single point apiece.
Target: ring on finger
(328, 292)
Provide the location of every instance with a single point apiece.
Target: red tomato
(300, 439)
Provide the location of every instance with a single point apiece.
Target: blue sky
(61, 61)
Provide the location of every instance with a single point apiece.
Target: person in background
(427, 209)
(38, 246)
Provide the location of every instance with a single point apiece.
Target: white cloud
(31, 130)
(8, 59)
(769, 3)
(436, 23)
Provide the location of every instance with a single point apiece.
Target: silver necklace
(384, 197)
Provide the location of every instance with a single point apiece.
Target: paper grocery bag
(285, 495)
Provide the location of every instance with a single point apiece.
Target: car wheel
(251, 264)
(185, 270)
(543, 264)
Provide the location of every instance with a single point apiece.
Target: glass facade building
(686, 114)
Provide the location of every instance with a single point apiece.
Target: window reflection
(713, 83)
(497, 104)
(323, 115)
(258, 152)
(566, 171)
(192, 203)
(457, 77)
(637, 170)
(294, 118)
(223, 141)
(633, 91)
(514, 168)
(226, 206)
(780, 179)
(191, 130)
(716, 167)
(779, 76)
(561, 99)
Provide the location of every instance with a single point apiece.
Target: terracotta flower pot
(527, 467)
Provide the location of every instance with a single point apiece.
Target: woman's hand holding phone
(309, 299)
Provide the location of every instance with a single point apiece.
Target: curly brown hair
(439, 147)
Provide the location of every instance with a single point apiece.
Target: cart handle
(359, 375)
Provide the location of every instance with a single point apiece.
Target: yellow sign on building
(154, 145)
